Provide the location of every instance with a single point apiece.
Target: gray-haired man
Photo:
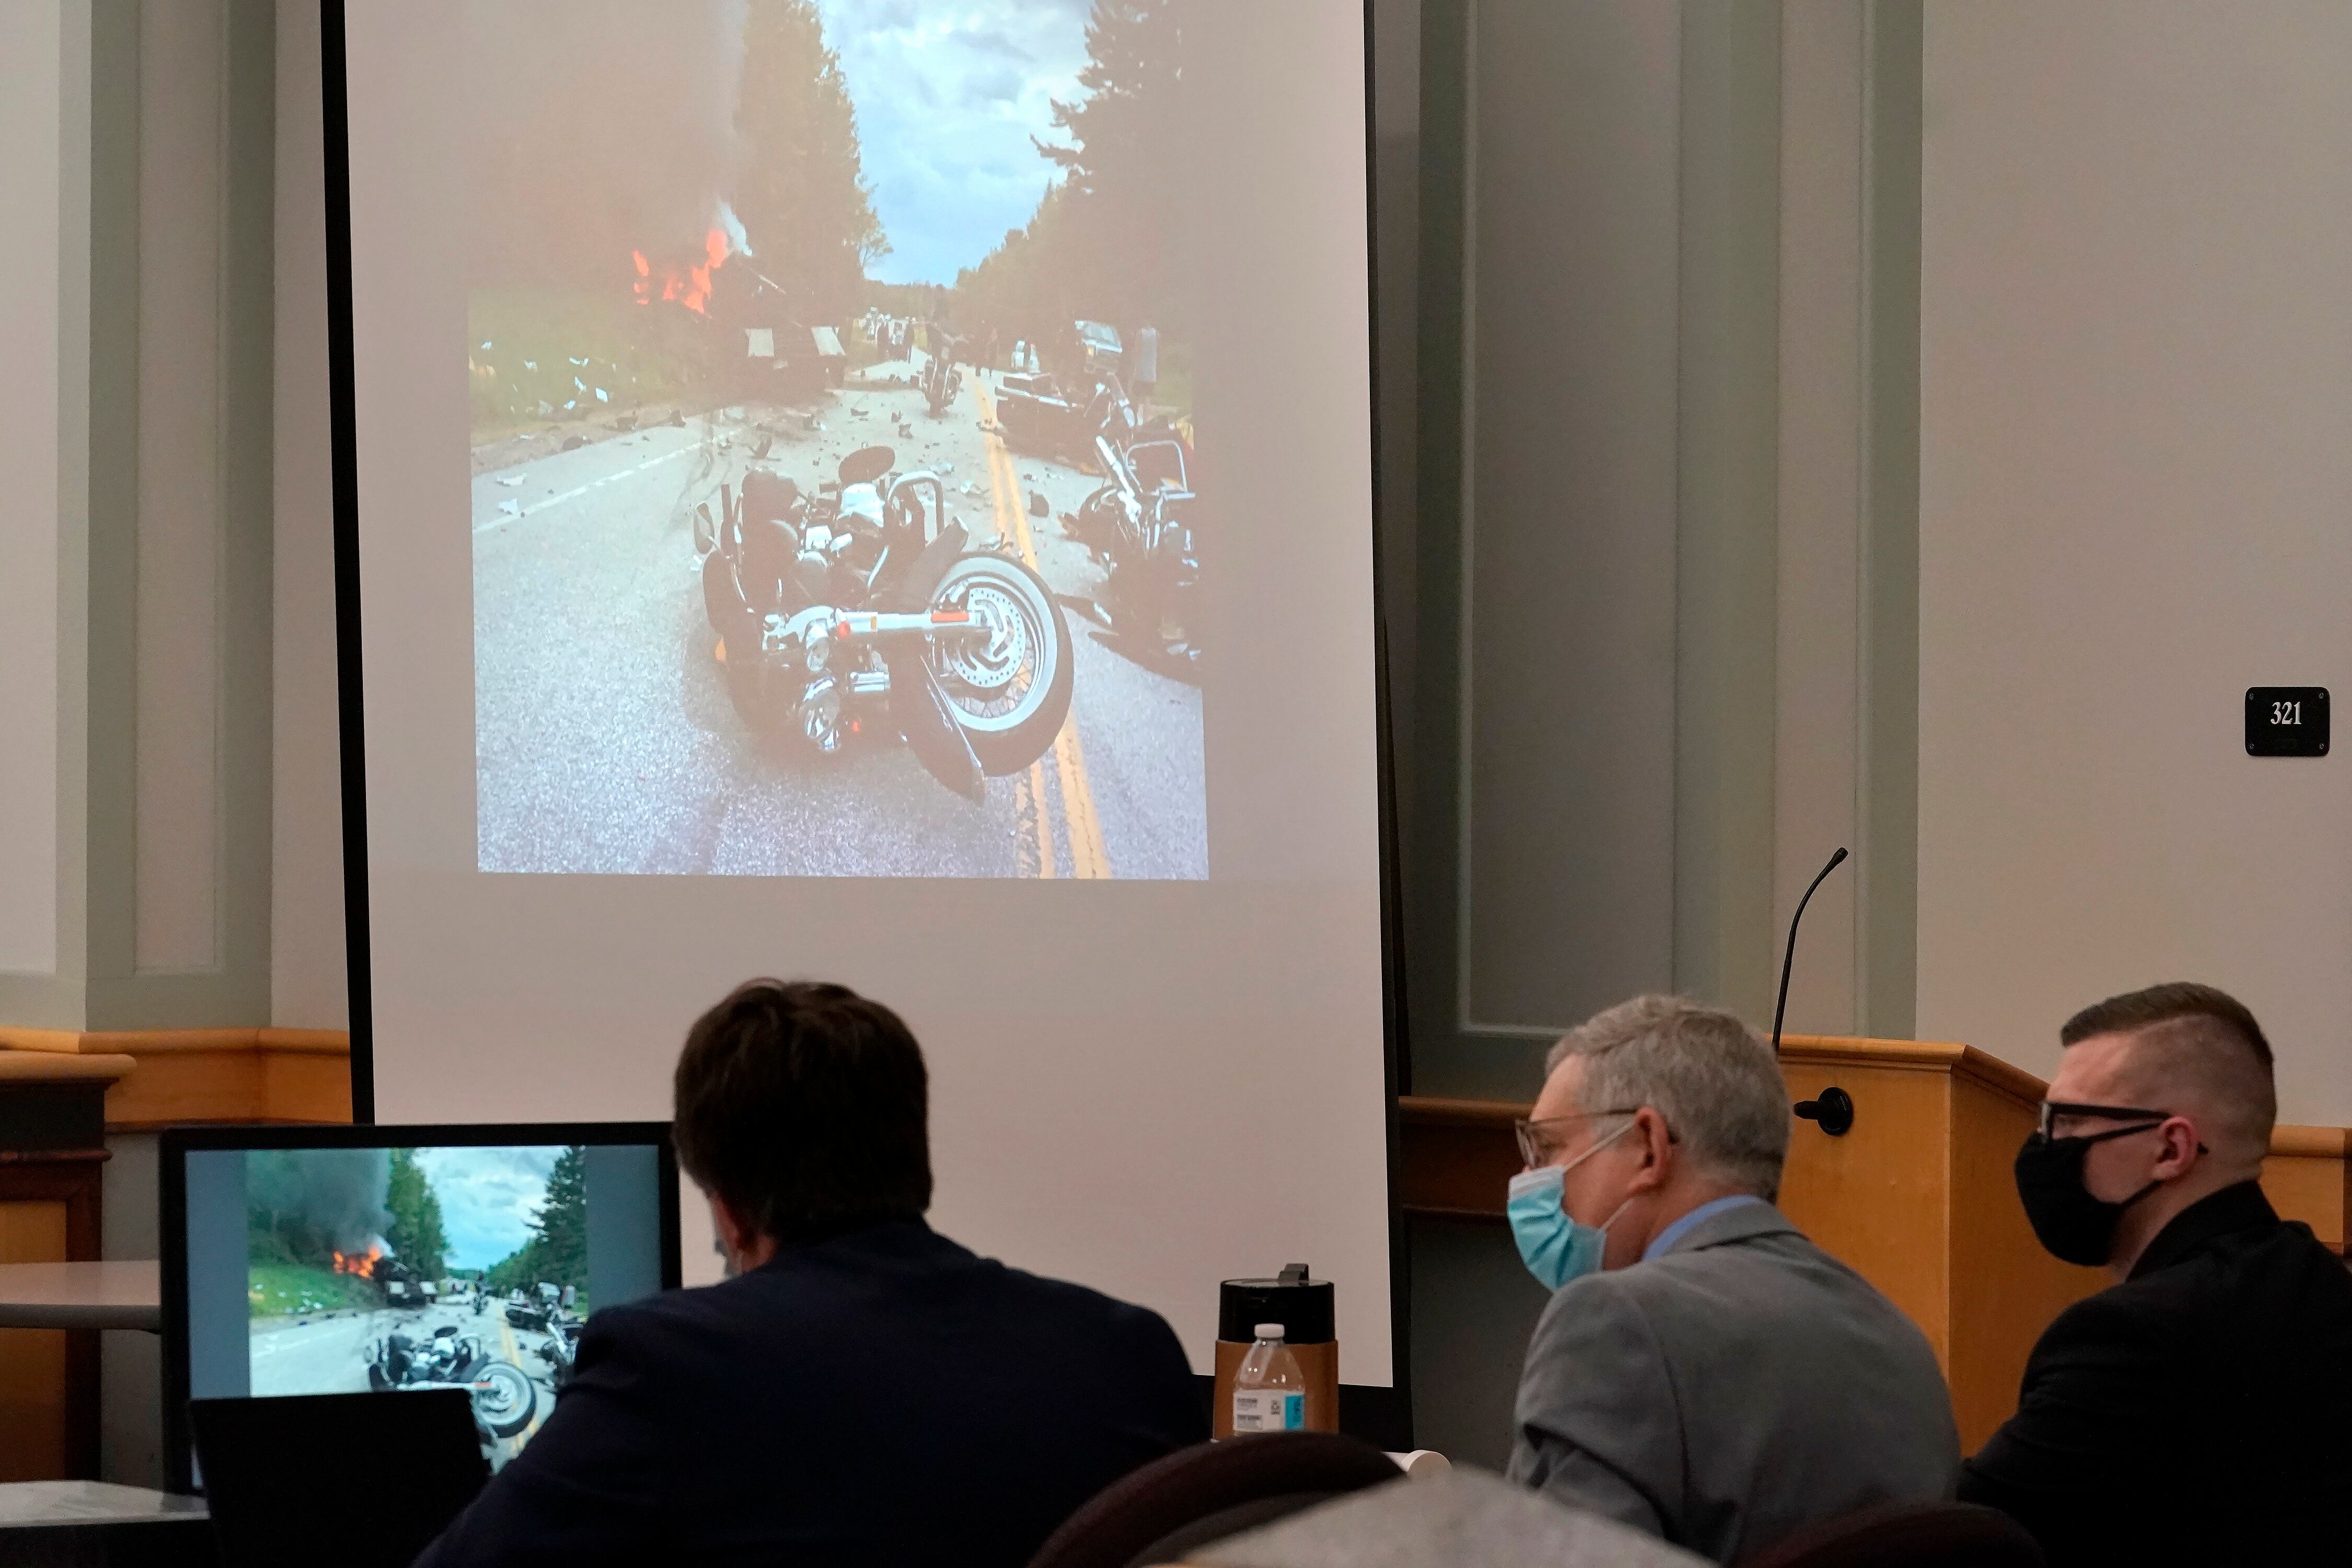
(1703, 1371)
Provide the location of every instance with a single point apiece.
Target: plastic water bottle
(1269, 1392)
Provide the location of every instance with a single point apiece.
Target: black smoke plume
(597, 126)
(336, 1193)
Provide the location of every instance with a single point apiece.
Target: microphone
(1789, 959)
(1835, 1110)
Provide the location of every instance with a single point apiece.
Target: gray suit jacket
(1739, 1385)
(1462, 1518)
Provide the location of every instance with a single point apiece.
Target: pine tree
(563, 1220)
(801, 192)
(557, 1252)
(1106, 240)
(1126, 119)
(415, 1234)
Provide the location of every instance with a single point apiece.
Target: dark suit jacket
(881, 1397)
(2195, 1413)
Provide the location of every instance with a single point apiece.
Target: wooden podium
(52, 1176)
(61, 1093)
(1918, 1198)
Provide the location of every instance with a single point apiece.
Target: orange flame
(354, 1263)
(690, 287)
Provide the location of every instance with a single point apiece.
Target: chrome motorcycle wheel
(1011, 687)
(504, 1398)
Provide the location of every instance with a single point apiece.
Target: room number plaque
(2286, 721)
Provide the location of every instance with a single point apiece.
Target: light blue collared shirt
(1705, 1211)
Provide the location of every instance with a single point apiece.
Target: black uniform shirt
(2197, 1412)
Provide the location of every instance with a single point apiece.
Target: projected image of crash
(404, 1268)
(836, 509)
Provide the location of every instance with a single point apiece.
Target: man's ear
(1657, 1143)
(2180, 1147)
(732, 1236)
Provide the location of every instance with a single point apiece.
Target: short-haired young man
(2194, 1411)
(862, 1389)
(1703, 1373)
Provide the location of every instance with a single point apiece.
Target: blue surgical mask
(1555, 1248)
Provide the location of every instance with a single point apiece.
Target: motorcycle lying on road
(505, 1399)
(1059, 416)
(866, 603)
(1136, 527)
(940, 380)
(562, 1346)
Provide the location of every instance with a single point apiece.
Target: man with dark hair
(860, 1390)
(2192, 1412)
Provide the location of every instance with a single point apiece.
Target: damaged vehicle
(537, 1311)
(562, 1346)
(866, 608)
(1136, 527)
(1061, 411)
(505, 1398)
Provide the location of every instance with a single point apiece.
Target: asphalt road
(328, 1353)
(604, 738)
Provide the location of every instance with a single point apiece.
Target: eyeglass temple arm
(2104, 1112)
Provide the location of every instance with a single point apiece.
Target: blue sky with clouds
(487, 1197)
(947, 94)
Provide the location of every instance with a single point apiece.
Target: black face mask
(2072, 1225)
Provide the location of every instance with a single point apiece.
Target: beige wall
(178, 579)
(2135, 501)
(134, 575)
(1817, 792)
(32, 339)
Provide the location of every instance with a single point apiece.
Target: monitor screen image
(393, 1264)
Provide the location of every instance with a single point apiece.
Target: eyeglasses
(1537, 1147)
(2051, 1110)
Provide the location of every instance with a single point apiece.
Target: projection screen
(817, 479)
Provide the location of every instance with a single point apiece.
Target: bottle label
(1269, 1410)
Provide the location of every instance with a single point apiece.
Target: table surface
(35, 1504)
(112, 1295)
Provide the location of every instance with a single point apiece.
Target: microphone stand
(1834, 1109)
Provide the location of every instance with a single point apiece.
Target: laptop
(355, 1479)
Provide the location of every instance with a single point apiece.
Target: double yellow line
(514, 1354)
(1081, 828)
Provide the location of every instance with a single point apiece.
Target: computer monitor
(349, 1260)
